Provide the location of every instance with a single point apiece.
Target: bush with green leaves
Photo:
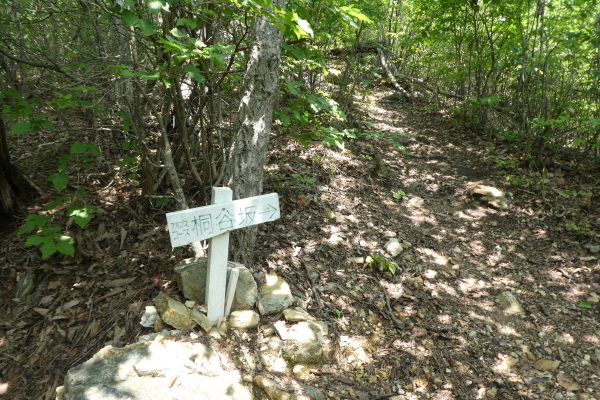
(377, 260)
(43, 229)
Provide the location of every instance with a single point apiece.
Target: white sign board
(214, 222)
(193, 225)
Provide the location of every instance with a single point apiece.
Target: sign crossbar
(214, 222)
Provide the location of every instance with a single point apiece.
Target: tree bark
(390, 75)
(14, 185)
(8, 197)
(253, 127)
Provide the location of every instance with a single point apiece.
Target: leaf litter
(436, 328)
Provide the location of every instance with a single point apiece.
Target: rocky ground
(430, 289)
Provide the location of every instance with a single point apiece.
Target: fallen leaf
(111, 293)
(53, 285)
(594, 298)
(547, 365)
(303, 201)
(119, 282)
(41, 311)
(46, 300)
(567, 383)
(71, 304)
(123, 236)
(329, 214)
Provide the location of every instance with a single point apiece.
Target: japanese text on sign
(201, 223)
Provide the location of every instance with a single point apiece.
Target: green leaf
(186, 21)
(59, 201)
(20, 128)
(126, 121)
(194, 72)
(79, 148)
(13, 93)
(129, 18)
(93, 149)
(146, 26)
(584, 304)
(34, 221)
(296, 52)
(35, 240)
(59, 181)
(63, 245)
(82, 216)
(304, 25)
(177, 33)
(45, 124)
(82, 148)
(359, 15)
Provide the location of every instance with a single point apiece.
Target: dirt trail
(485, 302)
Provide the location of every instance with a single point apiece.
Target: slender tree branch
(52, 67)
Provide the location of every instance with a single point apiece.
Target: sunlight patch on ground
(505, 364)
(507, 330)
(485, 305)
(445, 319)
(356, 350)
(447, 289)
(433, 256)
(467, 285)
(477, 248)
(420, 219)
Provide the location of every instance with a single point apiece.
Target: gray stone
(314, 393)
(304, 344)
(173, 312)
(490, 195)
(296, 314)
(594, 249)
(191, 280)
(154, 371)
(243, 319)
(509, 303)
(201, 320)
(274, 295)
(149, 317)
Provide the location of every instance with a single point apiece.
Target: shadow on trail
(486, 298)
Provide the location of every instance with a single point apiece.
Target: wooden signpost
(214, 222)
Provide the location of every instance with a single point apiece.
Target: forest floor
(484, 302)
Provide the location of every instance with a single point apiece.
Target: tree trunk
(14, 185)
(8, 197)
(253, 127)
(388, 71)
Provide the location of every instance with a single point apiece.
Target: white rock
(149, 318)
(154, 371)
(243, 319)
(274, 295)
(304, 344)
(393, 247)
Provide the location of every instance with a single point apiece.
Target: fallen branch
(431, 88)
(390, 75)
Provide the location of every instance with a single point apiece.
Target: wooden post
(216, 275)
(214, 222)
